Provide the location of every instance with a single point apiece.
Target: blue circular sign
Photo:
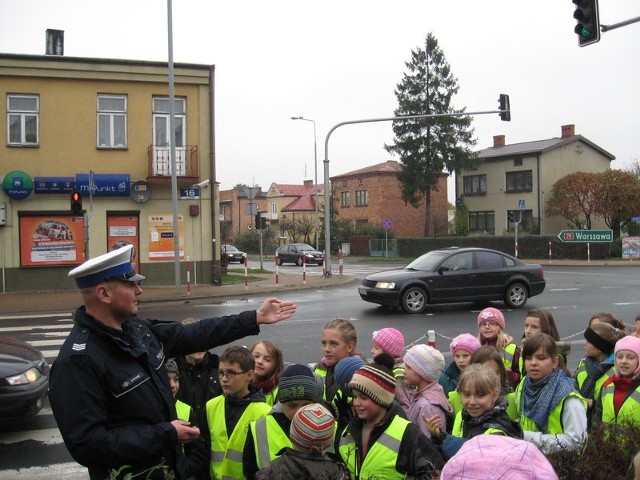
(386, 223)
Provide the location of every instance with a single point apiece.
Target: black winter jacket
(109, 389)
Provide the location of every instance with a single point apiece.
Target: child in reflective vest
(196, 453)
(491, 325)
(379, 443)
(269, 366)
(484, 412)
(620, 396)
(461, 348)
(552, 413)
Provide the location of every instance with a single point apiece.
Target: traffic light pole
(613, 26)
(327, 193)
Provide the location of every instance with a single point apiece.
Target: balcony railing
(187, 164)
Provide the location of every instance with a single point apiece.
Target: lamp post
(315, 181)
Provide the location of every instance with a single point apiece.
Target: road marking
(563, 289)
(627, 303)
(36, 315)
(33, 328)
(49, 436)
(46, 343)
(68, 471)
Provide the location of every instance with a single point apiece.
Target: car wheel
(414, 300)
(516, 295)
(279, 261)
(299, 261)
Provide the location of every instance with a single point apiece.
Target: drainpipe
(215, 191)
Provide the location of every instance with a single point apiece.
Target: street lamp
(315, 182)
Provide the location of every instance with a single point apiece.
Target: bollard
(549, 252)
(188, 276)
(324, 264)
(276, 268)
(431, 336)
(341, 261)
(304, 270)
(246, 274)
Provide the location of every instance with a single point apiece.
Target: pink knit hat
(491, 315)
(464, 341)
(498, 457)
(390, 340)
(632, 344)
(426, 361)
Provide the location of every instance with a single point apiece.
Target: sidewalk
(28, 302)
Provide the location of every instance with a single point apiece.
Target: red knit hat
(491, 314)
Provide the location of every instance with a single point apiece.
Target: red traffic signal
(76, 203)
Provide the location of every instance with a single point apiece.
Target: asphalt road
(573, 294)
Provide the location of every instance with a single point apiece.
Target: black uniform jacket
(110, 394)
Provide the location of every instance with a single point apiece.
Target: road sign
(635, 219)
(586, 236)
(386, 223)
(521, 205)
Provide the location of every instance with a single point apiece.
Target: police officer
(109, 390)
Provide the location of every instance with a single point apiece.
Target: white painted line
(68, 471)
(38, 327)
(48, 436)
(627, 303)
(46, 343)
(36, 315)
(563, 289)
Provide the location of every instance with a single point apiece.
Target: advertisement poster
(123, 230)
(47, 240)
(161, 237)
(630, 247)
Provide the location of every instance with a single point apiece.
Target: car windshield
(305, 247)
(231, 248)
(427, 262)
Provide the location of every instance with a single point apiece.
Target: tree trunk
(427, 214)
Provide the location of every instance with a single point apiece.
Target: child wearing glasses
(491, 325)
(229, 415)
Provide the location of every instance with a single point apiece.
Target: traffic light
(76, 203)
(263, 223)
(588, 26)
(257, 221)
(505, 114)
(511, 216)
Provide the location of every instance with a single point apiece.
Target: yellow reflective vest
(581, 375)
(268, 439)
(183, 411)
(629, 411)
(226, 450)
(380, 461)
(554, 423)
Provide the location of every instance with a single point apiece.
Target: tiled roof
(390, 166)
(537, 146)
(305, 201)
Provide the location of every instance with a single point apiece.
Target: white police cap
(115, 265)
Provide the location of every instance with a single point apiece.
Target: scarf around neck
(595, 370)
(540, 397)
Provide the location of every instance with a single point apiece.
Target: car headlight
(386, 285)
(25, 378)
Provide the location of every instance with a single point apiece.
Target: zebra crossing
(33, 448)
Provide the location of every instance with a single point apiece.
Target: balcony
(187, 164)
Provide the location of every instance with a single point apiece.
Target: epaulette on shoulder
(79, 345)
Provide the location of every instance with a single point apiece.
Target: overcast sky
(334, 61)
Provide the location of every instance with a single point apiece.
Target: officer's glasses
(125, 277)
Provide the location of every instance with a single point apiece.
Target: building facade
(103, 127)
(509, 183)
(373, 194)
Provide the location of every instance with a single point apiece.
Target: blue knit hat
(344, 370)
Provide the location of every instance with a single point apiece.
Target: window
(517, 162)
(361, 223)
(489, 260)
(112, 121)
(344, 199)
(519, 181)
(527, 220)
(362, 198)
(161, 127)
(23, 112)
(475, 185)
(274, 209)
(482, 222)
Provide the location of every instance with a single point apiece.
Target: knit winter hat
(344, 370)
(426, 361)
(497, 457)
(297, 383)
(630, 343)
(390, 341)
(172, 366)
(466, 342)
(375, 383)
(312, 428)
(491, 315)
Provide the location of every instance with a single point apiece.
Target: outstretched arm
(273, 310)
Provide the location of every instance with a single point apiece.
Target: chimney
(568, 130)
(308, 183)
(55, 42)
(498, 141)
